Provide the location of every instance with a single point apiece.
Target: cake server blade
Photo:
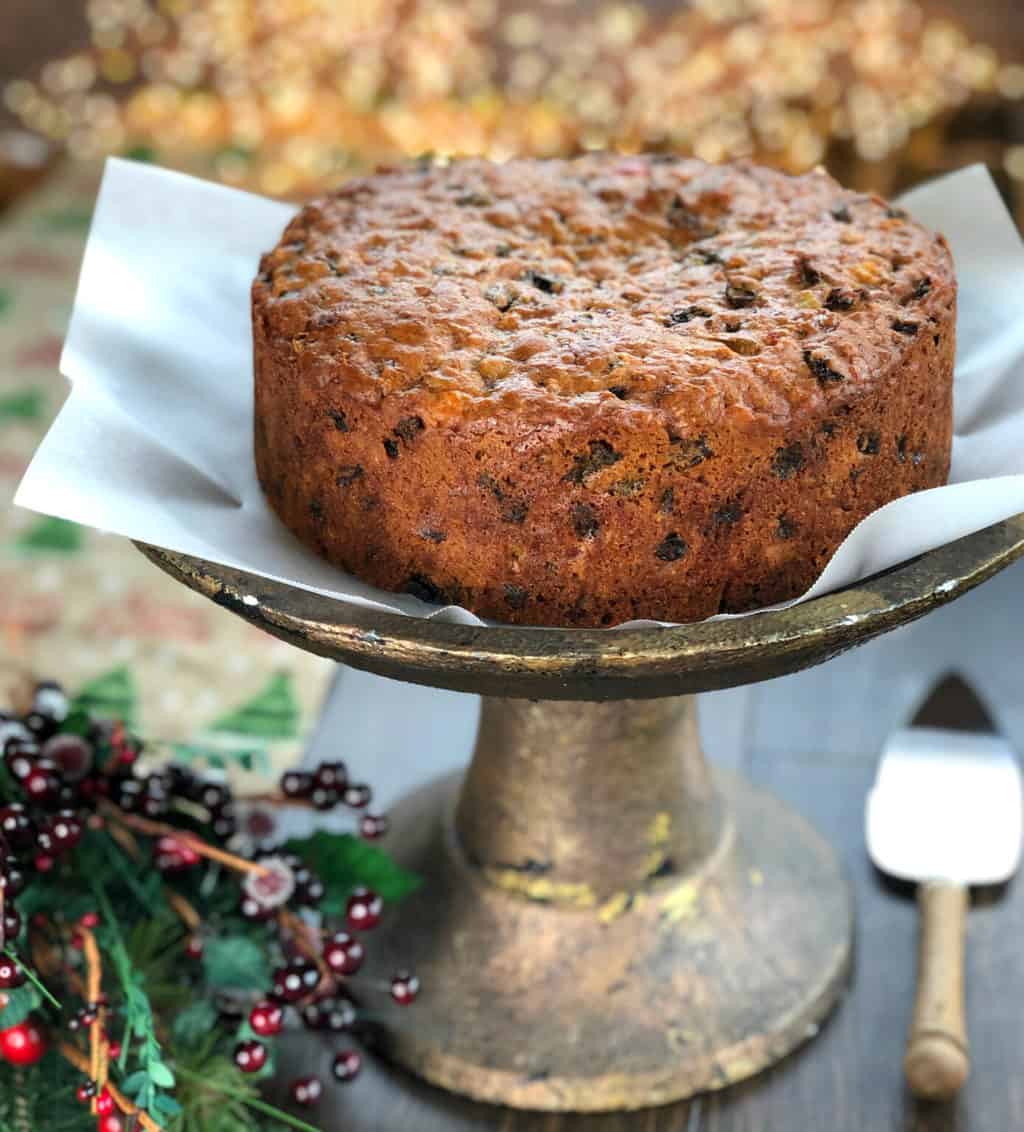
(945, 812)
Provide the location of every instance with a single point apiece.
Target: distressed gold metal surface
(696, 984)
(561, 971)
(604, 924)
(595, 664)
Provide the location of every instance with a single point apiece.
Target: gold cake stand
(606, 923)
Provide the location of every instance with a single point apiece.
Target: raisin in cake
(580, 392)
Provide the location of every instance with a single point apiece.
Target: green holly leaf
(235, 962)
(110, 696)
(273, 713)
(20, 1003)
(26, 404)
(49, 534)
(344, 862)
(195, 1023)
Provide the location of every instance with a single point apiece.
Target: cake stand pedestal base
(592, 941)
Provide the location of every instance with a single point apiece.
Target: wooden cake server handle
(937, 1062)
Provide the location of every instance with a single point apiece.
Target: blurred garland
(149, 952)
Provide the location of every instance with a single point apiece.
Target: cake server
(945, 812)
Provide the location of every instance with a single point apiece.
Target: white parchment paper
(155, 440)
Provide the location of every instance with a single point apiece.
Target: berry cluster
(311, 981)
(66, 774)
(328, 786)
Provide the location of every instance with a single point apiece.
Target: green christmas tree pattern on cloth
(47, 534)
(110, 696)
(273, 713)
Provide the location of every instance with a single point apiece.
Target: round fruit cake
(584, 391)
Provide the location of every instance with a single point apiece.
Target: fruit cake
(578, 392)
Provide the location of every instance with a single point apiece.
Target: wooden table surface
(813, 738)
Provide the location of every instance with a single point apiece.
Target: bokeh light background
(287, 96)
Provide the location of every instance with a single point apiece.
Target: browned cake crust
(580, 392)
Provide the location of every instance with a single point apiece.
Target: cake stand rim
(611, 663)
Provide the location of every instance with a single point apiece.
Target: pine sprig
(146, 1085)
(34, 980)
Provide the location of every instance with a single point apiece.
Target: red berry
(253, 910)
(104, 1103)
(296, 784)
(372, 826)
(86, 1091)
(90, 920)
(324, 798)
(11, 974)
(11, 923)
(173, 855)
(363, 909)
(114, 1050)
(250, 1057)
(41, 785)
(43, 863)
(72, 754)
(357, 795)
(16, 826)
(404, 988)
(334, 1014)
(194, 947)
(344, 953)
(266, 1019)
(347, 1065)
(306, 1091)
(331, 776)
(110, 1123)
(12, 881)
(62, 833)
(19, 758)
(23, 1044)
(295, 980)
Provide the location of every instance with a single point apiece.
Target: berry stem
(278, 798)
(184, 910)
(303, 934)
(251, 1102)
(126, 841)
(81, 1063)
(158, 829)
(33, 978)
(307, 940)
(98, 1062)
(118, 950)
